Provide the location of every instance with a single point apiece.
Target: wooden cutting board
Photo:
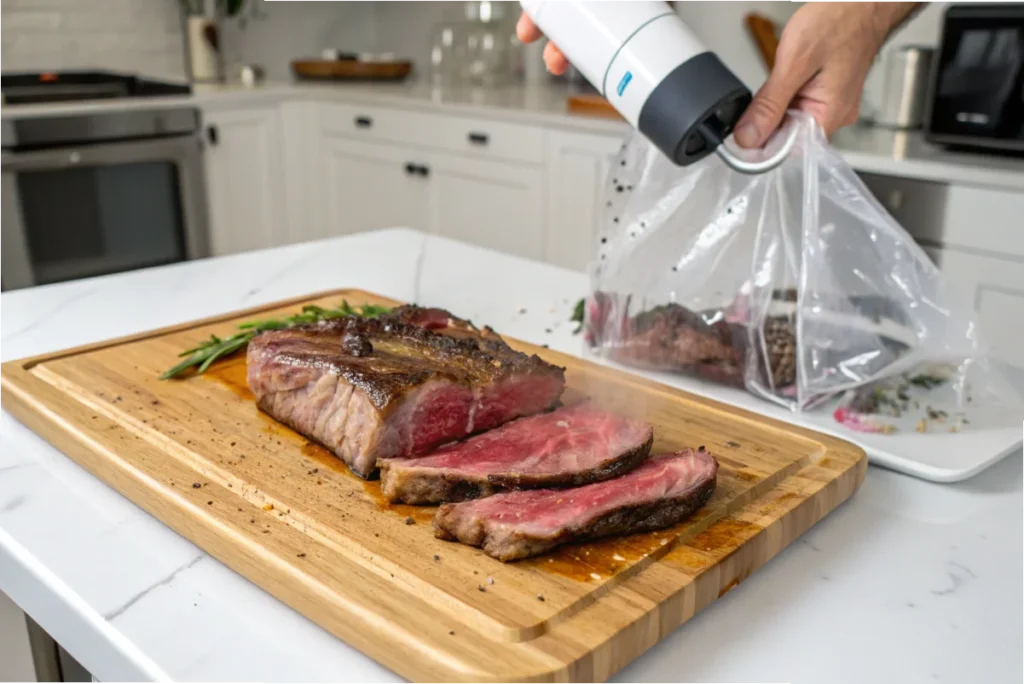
(198, 455)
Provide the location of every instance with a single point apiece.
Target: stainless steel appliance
(978, 87)
(93, 192)
(906, 74)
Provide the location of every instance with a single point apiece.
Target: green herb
(208, 351)
(926, 381)
(577, 317)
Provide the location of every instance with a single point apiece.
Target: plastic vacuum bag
(795, 284)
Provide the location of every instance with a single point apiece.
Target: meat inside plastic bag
(795, 284)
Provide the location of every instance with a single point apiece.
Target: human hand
(822, 61)
(527, 32)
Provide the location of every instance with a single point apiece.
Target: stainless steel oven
(99, 192)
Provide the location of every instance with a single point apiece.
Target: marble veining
(12, 504)
(48, 315)
(275, 276)
(921, 576)
(959, 574)
(161, 583)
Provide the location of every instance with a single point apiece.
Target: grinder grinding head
(693, 109)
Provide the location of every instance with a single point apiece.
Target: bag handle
(754, 167)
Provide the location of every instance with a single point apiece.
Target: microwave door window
(89, 221)
(977, 87)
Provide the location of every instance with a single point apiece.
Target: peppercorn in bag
(794, 284)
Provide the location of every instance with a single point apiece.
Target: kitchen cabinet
(996, 286)
(245, 179)
(973, 235)
(364, 186)
(487, 203)
(953, 214)
(369, 185)
(577, 165)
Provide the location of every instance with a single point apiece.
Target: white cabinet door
(997, 288)
(492, 204)
(577, 166)
(300, 143)
(245, 182)
(366, 186)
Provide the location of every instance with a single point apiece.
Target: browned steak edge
(437, 487)
(626, 520)
(429, 488)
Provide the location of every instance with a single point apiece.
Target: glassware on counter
(480, 49)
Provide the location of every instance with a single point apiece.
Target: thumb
(769, 105)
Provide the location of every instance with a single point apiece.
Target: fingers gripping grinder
(652, 68)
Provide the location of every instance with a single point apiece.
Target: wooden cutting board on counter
(197, 454)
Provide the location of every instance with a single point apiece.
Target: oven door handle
(177, 149)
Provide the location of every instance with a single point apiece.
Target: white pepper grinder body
(651, 67)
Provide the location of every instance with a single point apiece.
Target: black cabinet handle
(364, 121)
(211, 134)
(479, 138)
(417, 169)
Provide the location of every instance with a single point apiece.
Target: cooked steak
(569, 447)
(661, 492)
(397, 385)
(673, 338)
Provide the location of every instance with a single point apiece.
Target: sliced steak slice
(661, 492)
(569, 447)
(397, 385)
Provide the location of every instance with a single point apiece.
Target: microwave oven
(978, 79)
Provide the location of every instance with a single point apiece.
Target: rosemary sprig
(578, 316)
(208, 351)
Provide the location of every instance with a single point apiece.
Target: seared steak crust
(662, 492)
(386, 357)
(395, 385)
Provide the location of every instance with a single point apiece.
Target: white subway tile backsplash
(138, 36)
(32, 20)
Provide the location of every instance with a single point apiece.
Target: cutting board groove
(287, 515)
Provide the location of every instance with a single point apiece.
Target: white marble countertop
(909, 581)
(873, 150)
